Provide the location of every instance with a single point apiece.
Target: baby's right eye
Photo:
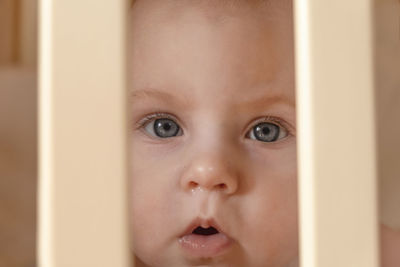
(163, 128)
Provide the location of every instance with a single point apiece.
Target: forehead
(220, 48)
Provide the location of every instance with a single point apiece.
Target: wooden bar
(83, 132)
(336, 133)
(28, 33)
(8, 32)
(387, 52)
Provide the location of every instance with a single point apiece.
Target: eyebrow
(151, 93)
(182, 100)
(268, 100)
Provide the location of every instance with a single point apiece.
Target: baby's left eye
(267, 132)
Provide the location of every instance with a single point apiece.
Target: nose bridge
(211, 168)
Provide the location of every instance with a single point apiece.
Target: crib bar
(337, 154)
(28, 33)
(83, 134)
(387, 52)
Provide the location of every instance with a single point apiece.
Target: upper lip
(201, 222)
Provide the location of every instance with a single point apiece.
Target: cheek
(272, 209)
(272, 233)
(275, 185)
(152, 171)
(145, 208)
(151, 194)
(152, 188)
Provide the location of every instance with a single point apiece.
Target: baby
(214, 133)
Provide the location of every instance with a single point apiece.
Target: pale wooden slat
(83, 218)
(337, 161)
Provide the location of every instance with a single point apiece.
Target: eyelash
(149, 118)
(270, 119)
(141, 124)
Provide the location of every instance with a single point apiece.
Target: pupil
(266, 130)
(167, 126)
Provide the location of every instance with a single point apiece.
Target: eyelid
(153, 116)
(275, 120)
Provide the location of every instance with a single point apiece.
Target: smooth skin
(214, 70)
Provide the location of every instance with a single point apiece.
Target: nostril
(193, 184)
(205, 231)
(222, 186)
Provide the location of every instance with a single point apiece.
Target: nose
(212, 173)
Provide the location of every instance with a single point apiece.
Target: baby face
(213, 140)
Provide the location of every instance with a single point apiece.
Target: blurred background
(18, 126)
(18, 137)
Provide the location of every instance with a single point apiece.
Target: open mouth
(204, 239)
(205, 231)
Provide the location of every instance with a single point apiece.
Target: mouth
(205, 231)
(204, 238)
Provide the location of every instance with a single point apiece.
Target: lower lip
(205, 246)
